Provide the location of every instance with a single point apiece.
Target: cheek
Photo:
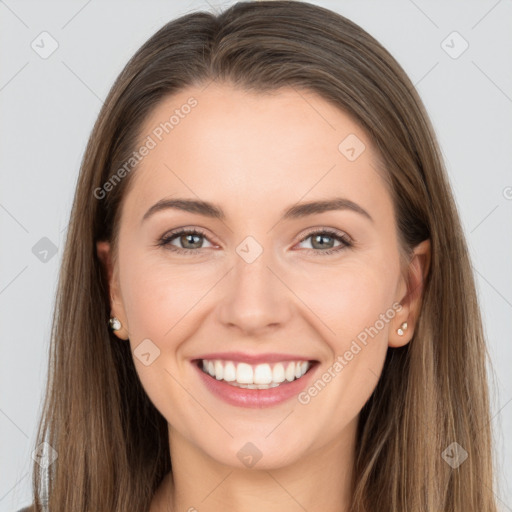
(347, 298)
(158, 295)
(162, 302)
(356, 306)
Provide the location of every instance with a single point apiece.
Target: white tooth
(229, 372)
(278, 373)
(262, 374)
(244, 373)
(219, 371)
(290, 372)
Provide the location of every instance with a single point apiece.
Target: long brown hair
(111, 442)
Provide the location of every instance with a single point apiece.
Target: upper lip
(253, 358)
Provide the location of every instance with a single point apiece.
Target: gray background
(48, 108)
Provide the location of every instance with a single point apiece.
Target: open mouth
(255, 376)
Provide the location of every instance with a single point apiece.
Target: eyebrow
(294, 212)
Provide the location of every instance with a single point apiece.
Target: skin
(254, 155)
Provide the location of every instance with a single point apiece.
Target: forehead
(246, 148)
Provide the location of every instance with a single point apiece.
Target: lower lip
(244, 397)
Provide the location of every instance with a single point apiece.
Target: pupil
(191, 236)
(321, 237)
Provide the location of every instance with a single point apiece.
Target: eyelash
(341, 237)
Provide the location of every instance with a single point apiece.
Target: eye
(320, 240)
(191, 239)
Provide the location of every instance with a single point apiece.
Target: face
(258, 280)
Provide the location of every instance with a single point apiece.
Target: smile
(254, 376)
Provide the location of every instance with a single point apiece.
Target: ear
(411, 300)
(103, 250)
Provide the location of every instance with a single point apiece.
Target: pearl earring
(401, 329)
(114, 323)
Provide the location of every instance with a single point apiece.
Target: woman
(204, 358)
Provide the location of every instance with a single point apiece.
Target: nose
(255, 297)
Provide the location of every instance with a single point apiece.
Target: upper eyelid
(332, 231)
(186, 230)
